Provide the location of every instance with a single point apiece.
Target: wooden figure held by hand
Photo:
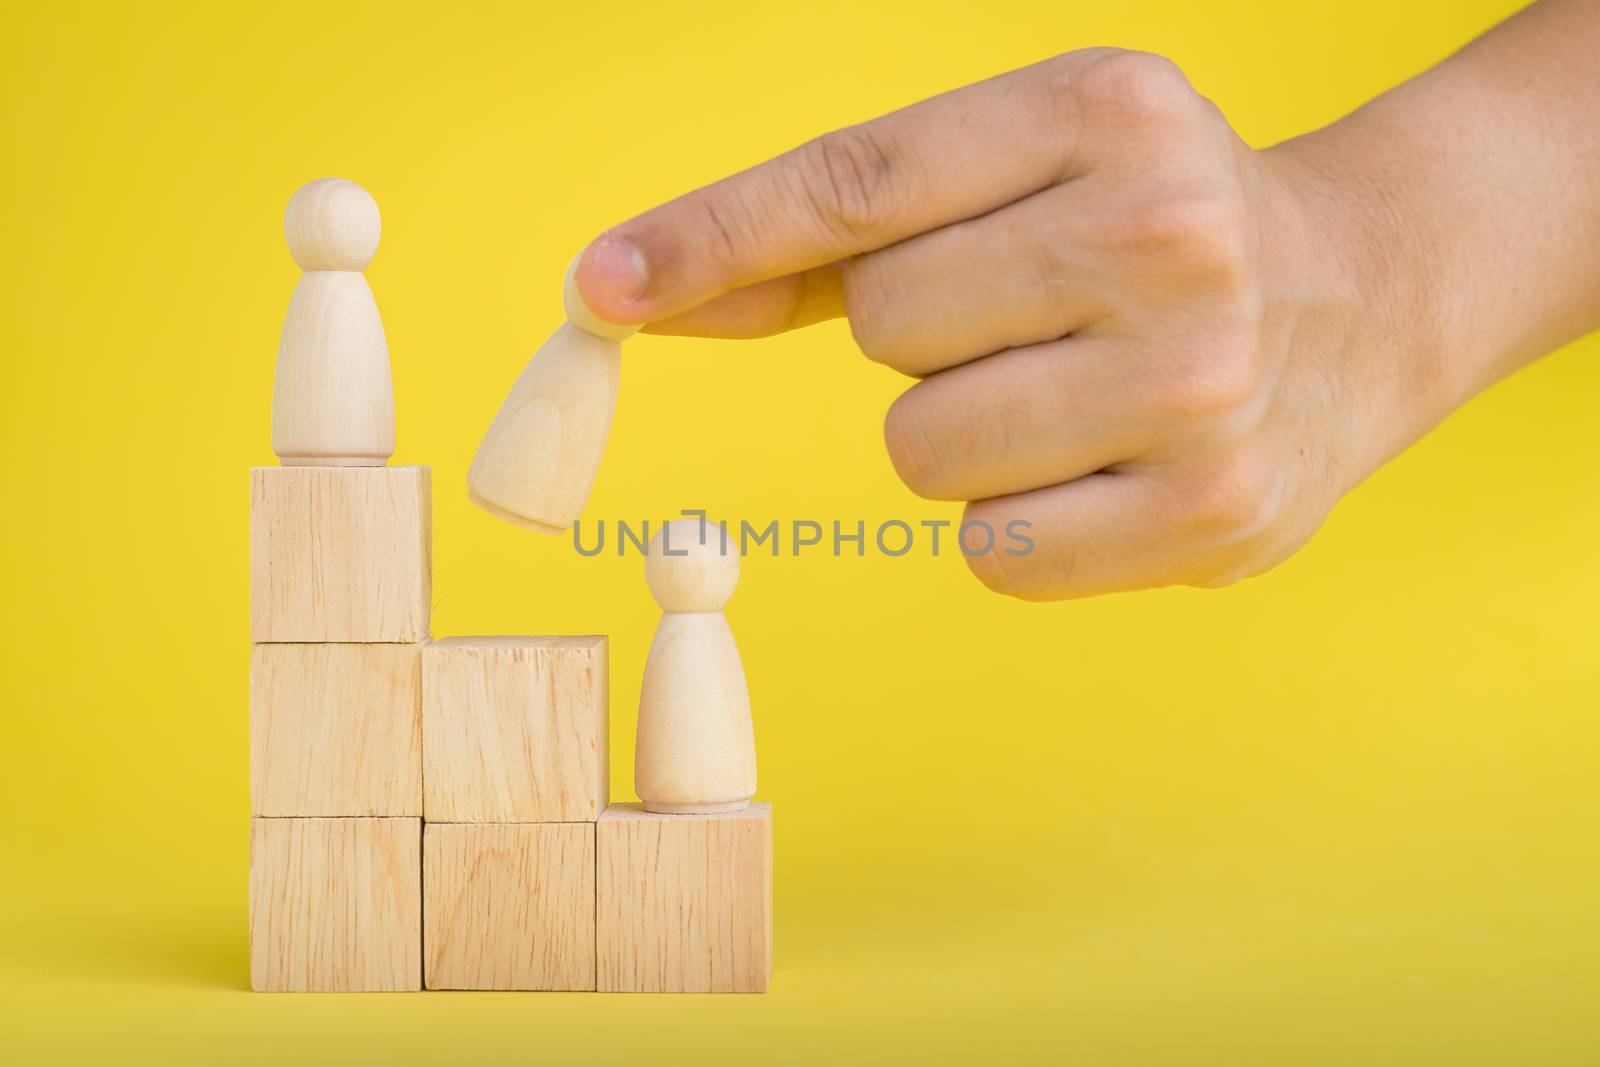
(539, 459)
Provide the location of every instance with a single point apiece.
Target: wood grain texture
(340, 553)
(335, 905)
(333, 399)
(696, 748)
(336, 730)
(332, 224)
(508, 905)
(333, 396)
(514, 729)
(541, 453)
(683, 903)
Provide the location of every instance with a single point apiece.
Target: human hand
(1169, 353)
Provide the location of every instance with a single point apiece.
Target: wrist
(1360, 297)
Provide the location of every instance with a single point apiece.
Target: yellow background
(1345, 813)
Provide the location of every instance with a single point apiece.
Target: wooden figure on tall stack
(340, 573)
(538, 461)
(333, 400)
(696, 749)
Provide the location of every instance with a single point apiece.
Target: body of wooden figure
(695, 751)
(333, 398)
(538, 461)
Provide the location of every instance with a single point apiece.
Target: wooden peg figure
(333, 398)
(538, 461)
(695, 751)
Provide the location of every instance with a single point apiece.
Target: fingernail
(620, 267)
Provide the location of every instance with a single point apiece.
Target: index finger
(945, 159)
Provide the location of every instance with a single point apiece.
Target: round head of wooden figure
(332, 224)
(689, 568)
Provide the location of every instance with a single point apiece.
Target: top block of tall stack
(539, 459)
(339, 542)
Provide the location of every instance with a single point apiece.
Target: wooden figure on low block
(683, 884)
(696, 749)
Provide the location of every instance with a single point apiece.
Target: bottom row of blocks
(633, 903)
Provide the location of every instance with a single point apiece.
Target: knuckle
(1136, 84)
(997, 572)
(1058, 82)
(1064, 66)
(850, 178)
(726, 231)
(1256, 556)
(1211, 233)
(1194, 231)
(1231, 504)
(912, 450)
(1223, 578)
(997, 575)
(1211, 389)
(1048, 572)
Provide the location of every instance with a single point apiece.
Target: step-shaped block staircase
(435, 814)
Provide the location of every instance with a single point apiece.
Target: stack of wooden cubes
(340, 575)
(515, 742)
(435, 813)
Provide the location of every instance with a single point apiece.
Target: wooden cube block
(514, 729)
(340, 553)
(336, 730)
(508, 905)
(683, 902)
(335, 905)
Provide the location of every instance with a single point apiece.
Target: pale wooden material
(683, 902)
(696, 743)
(580, 315)
(333, 397)
(538, 461)
(336, 730)
(508, 905)
(515, 729)
(332, 224)
(335, 905)
(340, 553)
